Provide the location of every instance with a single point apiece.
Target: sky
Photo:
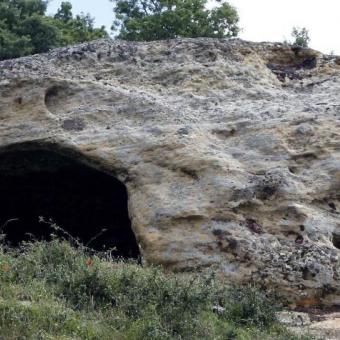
(260, 20)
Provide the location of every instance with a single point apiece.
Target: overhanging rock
(230, 150)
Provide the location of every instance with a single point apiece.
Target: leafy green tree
(79, 29)
(301, 36)
(145, 20)
(27, 8)
(12, 45)
(42, 32)
(25, 28)
(64, 13)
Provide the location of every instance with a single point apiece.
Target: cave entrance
(85, 202)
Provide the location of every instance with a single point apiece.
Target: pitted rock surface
(230, 150)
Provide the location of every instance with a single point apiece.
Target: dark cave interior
(78, 198)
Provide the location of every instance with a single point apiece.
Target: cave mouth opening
(89, 204)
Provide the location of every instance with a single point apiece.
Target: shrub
(52, 289)
(301, 36)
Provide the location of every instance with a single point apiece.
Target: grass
(52, 290)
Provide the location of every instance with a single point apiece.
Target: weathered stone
(290, 318)
(318, 325)
(207, 135)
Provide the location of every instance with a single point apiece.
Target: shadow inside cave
(83, 201)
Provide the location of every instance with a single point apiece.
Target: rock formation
(229, 150)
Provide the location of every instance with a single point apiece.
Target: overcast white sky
(261, 20)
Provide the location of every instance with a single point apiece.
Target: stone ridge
(230, 150)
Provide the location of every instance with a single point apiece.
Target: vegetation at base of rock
(26, 29)
(146, 20)
(54, 290)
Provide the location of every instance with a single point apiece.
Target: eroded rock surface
(318, 325)
(230, 150)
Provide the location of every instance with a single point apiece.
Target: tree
(25, 28)
(42, 32)
(78, 29)
(64, 13)
(145, 20)
(13, 45)
(301, 36)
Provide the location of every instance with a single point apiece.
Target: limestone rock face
(230, 150)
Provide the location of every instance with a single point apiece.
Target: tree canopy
(145, 20)
(25, 28)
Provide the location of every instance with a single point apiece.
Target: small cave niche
(307, 274)
(61, 97)
(336, 240)
(51, 96)
(89, 204)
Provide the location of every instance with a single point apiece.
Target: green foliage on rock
(51, 290)
(146, 20)
(301, 37)
(25, 28)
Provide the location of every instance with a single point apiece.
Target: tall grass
(52, 290)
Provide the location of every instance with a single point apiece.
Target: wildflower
(89, 262)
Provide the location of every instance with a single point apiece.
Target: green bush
(25, 28)
(301, 37)
(54, 290)
(249, 306)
